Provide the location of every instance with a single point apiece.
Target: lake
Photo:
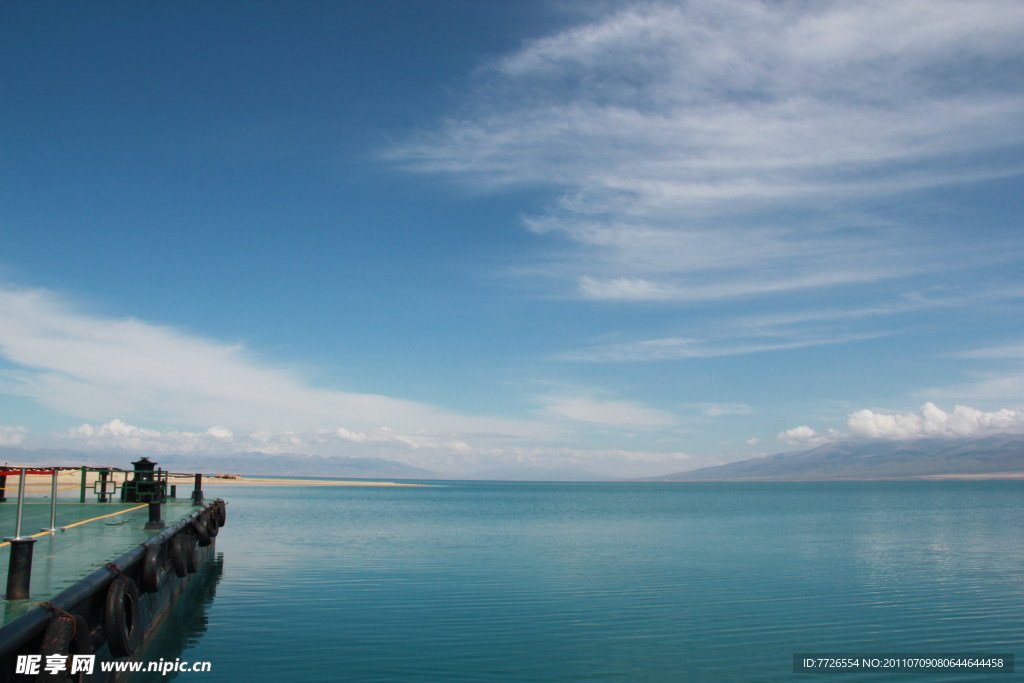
(496, 581)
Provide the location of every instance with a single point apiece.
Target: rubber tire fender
(152, 568)
(210, 519)
(121, 616)
(183, 555)
(189, 544)
(66, 635)
(201, 532)
(222, 512)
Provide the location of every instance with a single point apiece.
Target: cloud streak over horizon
(94, 367)
(116, 370)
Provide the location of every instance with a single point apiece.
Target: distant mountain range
(839, 460)
(873, 460)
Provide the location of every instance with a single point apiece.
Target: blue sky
(626, 238)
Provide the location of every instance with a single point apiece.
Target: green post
(81, 499)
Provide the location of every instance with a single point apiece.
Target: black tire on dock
(180, 546)
(66, 635)
(189, 544)
(183, 553)
(210, 519)
(222, 512)
(121, 617)
(152, 568)
(199, 529)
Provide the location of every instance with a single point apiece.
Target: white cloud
(221, 441)
(346, 435)
(441, 455)
(93, 367)
(12, 435)
(802, 436)
(607, 412)
(385, 435)
(667, 127)
(929, 422)
(932, 421)
(119, 434)
(220, 433)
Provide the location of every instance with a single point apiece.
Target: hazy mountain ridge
(872, 460)
(837, 460)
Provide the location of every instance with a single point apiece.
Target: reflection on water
(186, 621)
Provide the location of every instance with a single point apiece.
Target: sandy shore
(991, 475)
(266, 481)
(68, 479)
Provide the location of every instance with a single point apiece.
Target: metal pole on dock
(197, 492)
(53, 504)
(3, 485)
(21, 502)
(155, 522)
(19, 572)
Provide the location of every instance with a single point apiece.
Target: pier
(78, 540)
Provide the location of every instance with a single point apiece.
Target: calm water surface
(603, 582)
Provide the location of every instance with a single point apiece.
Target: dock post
(81, 498)
(174, 490)
(197, 493)
(3, 484)
(19, 572)
(53, 504)
(155, 522)
(103, 485)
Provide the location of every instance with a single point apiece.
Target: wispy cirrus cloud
(1006, 352)
(806, 327)
(679, 348)
(1000, 377)
(691, 144)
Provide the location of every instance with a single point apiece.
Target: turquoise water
(605, 582)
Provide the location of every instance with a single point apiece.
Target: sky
(621, 238)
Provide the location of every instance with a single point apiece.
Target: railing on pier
(144, 484)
